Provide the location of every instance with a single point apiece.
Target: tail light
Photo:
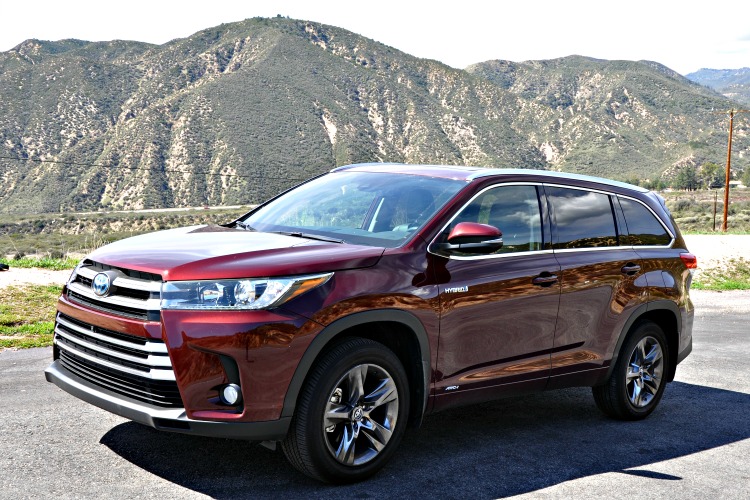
(690, 260)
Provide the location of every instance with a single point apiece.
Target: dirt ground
(711, 250)
(17, 276)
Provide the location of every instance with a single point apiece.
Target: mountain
(732, 83)
(613, 118)
(236, 113)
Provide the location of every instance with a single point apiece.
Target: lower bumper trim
(172, 420)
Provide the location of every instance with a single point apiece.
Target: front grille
(108, 307)
(132, 294)
(135, 367)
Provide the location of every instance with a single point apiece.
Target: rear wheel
(351, 413)
(637, 382)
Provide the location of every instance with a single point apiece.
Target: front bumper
(173, 420)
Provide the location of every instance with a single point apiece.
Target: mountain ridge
(734, 84)
(235, 113)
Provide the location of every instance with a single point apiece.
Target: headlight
(237, 294)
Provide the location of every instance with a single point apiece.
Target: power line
(165, 170)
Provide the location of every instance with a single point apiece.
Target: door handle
(545, 279)
(630, 269)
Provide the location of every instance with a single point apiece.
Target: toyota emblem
(101, 284)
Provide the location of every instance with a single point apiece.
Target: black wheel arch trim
(333, 330)
(664, 305)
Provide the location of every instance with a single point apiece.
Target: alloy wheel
(360, 414)
(644, 373)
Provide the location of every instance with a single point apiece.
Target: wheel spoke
(356, 380)
(335, 414)
(384, 393)
(640, 353)
(654, 356)
(375, 433)
(633, 372)
(345, 451)
(637, 393)
(650, 385)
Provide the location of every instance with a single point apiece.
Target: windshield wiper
(310, 236)
(244, 225)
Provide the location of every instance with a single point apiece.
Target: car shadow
(490, 450)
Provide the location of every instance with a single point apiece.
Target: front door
(498, 311)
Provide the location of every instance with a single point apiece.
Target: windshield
(365, 208)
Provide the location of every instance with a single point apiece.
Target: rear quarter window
(643, 227)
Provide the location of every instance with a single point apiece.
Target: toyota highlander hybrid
(336, 315)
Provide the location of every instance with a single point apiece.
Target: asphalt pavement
(549, 445)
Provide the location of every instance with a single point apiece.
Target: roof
(469, 174)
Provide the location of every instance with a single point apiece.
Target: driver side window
(514, 210)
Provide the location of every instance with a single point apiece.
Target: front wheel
(637, 382)
(351, 413)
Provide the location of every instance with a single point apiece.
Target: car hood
(216, 252)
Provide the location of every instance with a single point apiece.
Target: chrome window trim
(494, 256)
(593, 249)
(557, 175)
(558, 250)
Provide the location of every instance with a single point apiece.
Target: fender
(656, 305)
(330, 332)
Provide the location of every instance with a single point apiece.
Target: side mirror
(472, 237)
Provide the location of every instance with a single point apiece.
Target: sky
(458, 33)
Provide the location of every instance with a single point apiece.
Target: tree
(746, 176)
(687, 179)
(711, 176)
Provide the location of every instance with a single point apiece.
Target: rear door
(599, 270)
(498, 311)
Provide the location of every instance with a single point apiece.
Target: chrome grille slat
(132, 294)
(136, 284)
(152, 304)
(147, 348)
(112, 383)
(153, 373)
(150, 360)
(164, 394)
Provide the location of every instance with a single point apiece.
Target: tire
(637, 383)
(351, 413)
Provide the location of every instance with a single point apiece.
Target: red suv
(335, 315)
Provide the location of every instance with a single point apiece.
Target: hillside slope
(614, 118)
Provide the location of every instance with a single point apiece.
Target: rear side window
(643, 226)
(583, 219)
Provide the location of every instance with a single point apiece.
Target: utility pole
(732, 112)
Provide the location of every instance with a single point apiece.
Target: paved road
(551, 445)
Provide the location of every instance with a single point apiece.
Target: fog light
(230, 394)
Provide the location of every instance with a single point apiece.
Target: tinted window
(643, 226)
(514, 210)
(583, 219)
